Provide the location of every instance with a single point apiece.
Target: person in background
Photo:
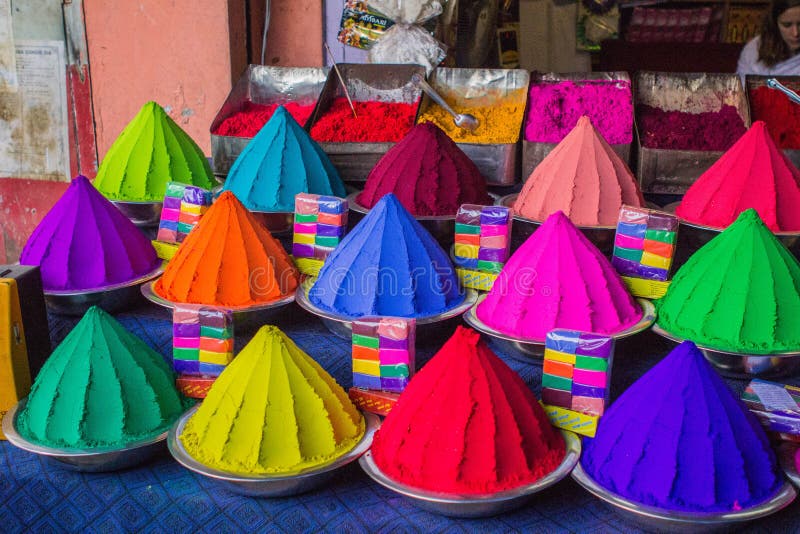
(775, 50)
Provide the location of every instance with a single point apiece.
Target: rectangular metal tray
(753, 81)
(499, 163)
(674, 171)
(534, 152)
(372, 82)
(262, 85)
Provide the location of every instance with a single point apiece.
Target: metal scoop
(772, 83)
(462, 120)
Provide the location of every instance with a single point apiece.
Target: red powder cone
(753, 173)
(467, 424)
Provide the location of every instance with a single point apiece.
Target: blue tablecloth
(163, 496)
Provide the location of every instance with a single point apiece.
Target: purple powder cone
(679, 439)
(84, 242)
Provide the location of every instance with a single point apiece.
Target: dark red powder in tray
(377, 122)
(678, 130)
(248, 121)
(781, 115)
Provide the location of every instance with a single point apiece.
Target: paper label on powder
(773, 396)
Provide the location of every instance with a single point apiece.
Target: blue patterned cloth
(162, 496)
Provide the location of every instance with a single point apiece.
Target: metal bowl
(786, 453)
(441, 227)
(277, 222)
(742, 365)
(243, 317)
(600, 236)
(282, 485)
(469, 506)
(532, 350)
(342, 326)
(662, 520)
(140, 213)
(110, 298)
(86, 460)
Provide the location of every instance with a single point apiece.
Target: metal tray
(498, 163)
(261, 85)
(470, 506)
(673, 171)
(373, 82)
(110, 298)
(753, 81)
(142, 214)
(533, 152)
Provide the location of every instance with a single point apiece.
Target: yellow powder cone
(273, 410)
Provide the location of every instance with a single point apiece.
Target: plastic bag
(406, 42)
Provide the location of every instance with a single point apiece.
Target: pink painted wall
(295, 32)
(183, 54)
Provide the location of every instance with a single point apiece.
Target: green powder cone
(101, 388)
(151, 151)
(740, 292)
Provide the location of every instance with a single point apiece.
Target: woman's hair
(772, 48)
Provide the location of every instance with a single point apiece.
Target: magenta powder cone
(84, 242)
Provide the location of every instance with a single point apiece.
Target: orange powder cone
(228, 259)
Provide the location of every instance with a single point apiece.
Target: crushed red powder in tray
(252, 117)
(781, 115)
(678, 130)
(377, 122)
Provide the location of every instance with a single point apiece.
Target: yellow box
(191, 208)
(556, 356)
(165, 251)
(15, 375)
(654, 260)
(466, 251)
(476, 279)
(217, 358)
(305, 239)
(645, 288)
(577, 422)
(367, 367)
(308, 266)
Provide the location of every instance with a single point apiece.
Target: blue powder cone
(679, 439)
(279, 162)
(387, 265)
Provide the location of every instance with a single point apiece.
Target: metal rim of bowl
(151, 295)
(670, 518)
(674, 205)
(786, 455)
(138, 202)
(182, 456)
(105, 289)
(658, 329)
(355, 206)
(508, 202)
(472, 319)
(15, 438)
(470, 297)
(571, 457)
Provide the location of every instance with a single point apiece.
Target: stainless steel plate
(282, 485)
(477, 505)
(660, 519)
(86, 460)
(140, 213)
(111, 298)
(532, 350)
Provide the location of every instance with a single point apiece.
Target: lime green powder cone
(151, 151)
(740, 292)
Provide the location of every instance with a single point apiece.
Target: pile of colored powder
(273, 410)
(558, 279)
(679, 439)
(428, 173)
(740, 292)
(781, 115)
(228, 259)
(376, 122)
(679, 130)
(151, 151)
(277, 164)
(252, 117)
(467, 424)
(583, 177)
(497, 124)
(554, 110)
(388, 265)
(754, 173)
(85, 242)
(101, 388)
